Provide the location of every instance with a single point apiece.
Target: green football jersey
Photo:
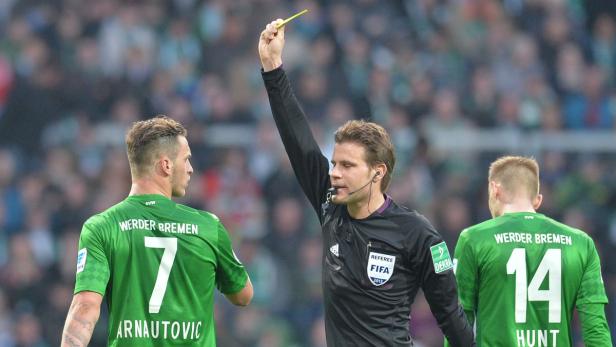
(522, 274)
(158, 263)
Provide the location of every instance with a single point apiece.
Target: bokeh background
(457, 83)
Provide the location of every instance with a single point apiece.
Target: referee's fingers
(280, 31)
(271, 29)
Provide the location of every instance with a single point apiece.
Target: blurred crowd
(75, 74)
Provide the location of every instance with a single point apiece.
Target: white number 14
(550, 266)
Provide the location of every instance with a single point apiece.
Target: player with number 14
(521, 274)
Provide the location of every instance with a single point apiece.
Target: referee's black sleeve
(442, 296)
(309, 164)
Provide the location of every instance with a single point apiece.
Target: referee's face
(351, 174)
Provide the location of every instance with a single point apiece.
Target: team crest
(380, 267)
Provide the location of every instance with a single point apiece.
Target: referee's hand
(271, 43)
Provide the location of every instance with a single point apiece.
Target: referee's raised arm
(371, 246)
(309, 164)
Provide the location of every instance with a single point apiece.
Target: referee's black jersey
(372, 267)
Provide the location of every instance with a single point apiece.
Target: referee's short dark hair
(148, 138)
(375, 140)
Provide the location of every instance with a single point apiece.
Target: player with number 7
(157, 261)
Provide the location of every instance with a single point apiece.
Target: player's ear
(166, 165)
(537, 201)
(492, 187)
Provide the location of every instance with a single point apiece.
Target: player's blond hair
(149, 138)
(516, 175)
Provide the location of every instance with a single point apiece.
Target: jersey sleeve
(309, 164)
(466, 271)
(595, 329)
(92, 263)
(592, 289)
(230, 273)
(439, 287)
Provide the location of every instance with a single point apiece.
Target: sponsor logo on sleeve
(380, 267)
(440, 257)
(81, 259)
(334, 250)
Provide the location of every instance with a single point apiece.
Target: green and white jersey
(522, 274)
(158, 263)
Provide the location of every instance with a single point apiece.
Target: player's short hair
(376, 142)
(516, 173)
(147, 139)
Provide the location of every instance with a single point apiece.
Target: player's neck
(518, 207)
(141, 186)
(364, 208)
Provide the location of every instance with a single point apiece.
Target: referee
(376, 255)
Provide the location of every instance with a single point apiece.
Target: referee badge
(380, 267)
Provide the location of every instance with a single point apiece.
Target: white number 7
(170, 244)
